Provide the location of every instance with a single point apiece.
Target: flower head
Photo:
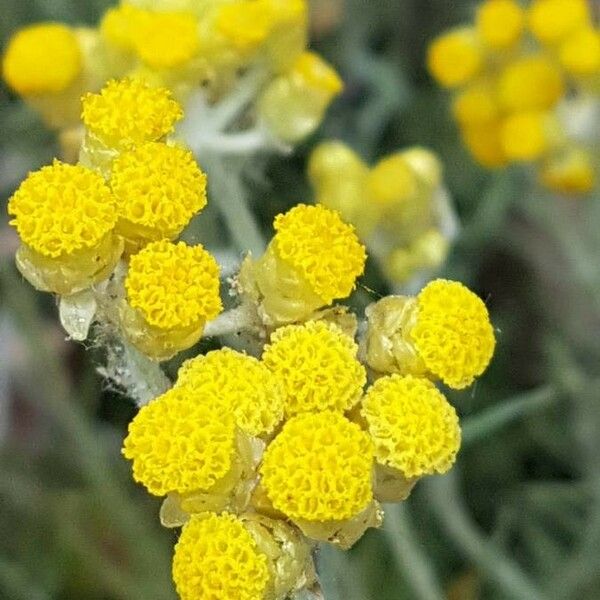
(245, 24)
(159, 188)
(129, 112)
(174, 285)
(412, 425)
(42, 58)
(238, 383)
(318, 74)
(453, 333)
(180, 446)
(476, 104)
(319, 468)
(570, 172)
(392, 181)
(318, 367)
(525, 135)
(454, 58)
(500, 23)
(217, 558)
(322, 248)
(119, 25)
(580, 52)
(484, 142)
(62, 208)
(530, 83)
(551, 20)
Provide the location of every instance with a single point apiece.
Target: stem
(245, 142)
(481, 426)
(231, 321)
(444, 498)
(407, 551)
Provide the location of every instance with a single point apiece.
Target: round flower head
(454, 58)
(476, 104)
(525, 135)
(42, 59)
(318, 367)
(551, 20)
(174, 286)
(159, 188)
(500, 23)
(119, 24)
(129, 112)
(165, 40)
(62, 209)
(322, 248)
(530, 83)
(180, 446)
(580, 52)
(216, 558)
(484, 142)
(238, 383)
(392, 181)
(319, 468)
(245, 25)
(413, 427)
(453, 334)
(317, 74)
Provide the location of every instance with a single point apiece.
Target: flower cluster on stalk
(523, 78)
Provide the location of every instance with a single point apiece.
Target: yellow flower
(455, 57)
(159, 188)
(119, 25)
(322, 248)
(500, 23)
(319, 468)
(484, 142)
(317, 74)
(174, 285)
(129, 112)
(476, 104)
(570, 172)
(317, 365)
(166, 40)
(551, 20)
(62, 209)
(453, 334)
(392, 181)
(180, 446)
(525, 135)
(413, 427)
(217, 558)
(580, 52)
(245, 24)
(238, 383)
(41, 59)
(530, 83)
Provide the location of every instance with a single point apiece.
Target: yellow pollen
(62, 208)
(174, 285)
(322, 248)
(319, 468)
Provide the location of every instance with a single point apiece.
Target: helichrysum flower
(500, 23)
(322, 248)
(128, 112)
(392, 181)
(551, 20)
(569, 172)
(453, 334)
(485, 143)
(579, 54)
(525, 135)
(180, 446)
(119, 25)
(216, 558)
(159, 188)
(530, 83)
(42, 59)
(238, 383)
(413, 427)
(317, 365)
(455, 57)
(319, 468)
(65, 216)
(245, 24)
(173, 290)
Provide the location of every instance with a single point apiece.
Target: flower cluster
(115, 214)
(193, 48)
(399, 207)
(521, 76)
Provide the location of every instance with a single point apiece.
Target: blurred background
(519, 515)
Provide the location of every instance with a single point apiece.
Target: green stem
(16, 583)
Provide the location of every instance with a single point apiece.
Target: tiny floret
(322, 248)
(413, 427)
(128, 112)
(62, 208)
(180, 446)
(159, 188)
(216, 558)
(174, 286)
(239, 383)
(453, 333)
(43, 58)
(318, 367)
(319, 468)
